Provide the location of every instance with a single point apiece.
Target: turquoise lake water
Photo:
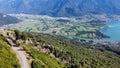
(112, 30)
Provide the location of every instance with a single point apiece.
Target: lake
(112, 30)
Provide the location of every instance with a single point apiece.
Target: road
(20, 53)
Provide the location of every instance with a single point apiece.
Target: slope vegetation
(49, 51)
(8, 58)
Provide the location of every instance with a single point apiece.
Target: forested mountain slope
(60, 7)
(49, 51)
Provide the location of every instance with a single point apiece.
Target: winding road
(20, 53)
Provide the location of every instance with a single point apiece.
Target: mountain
(60, 7)
(52, 51)
(7, 54)
(6, 19)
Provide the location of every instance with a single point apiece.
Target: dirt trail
(20, 53)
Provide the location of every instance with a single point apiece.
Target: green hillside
(8, 58)
(49, 51)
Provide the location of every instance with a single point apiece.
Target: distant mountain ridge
(6, 19)
(60, 7)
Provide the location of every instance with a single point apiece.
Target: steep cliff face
(61, 7)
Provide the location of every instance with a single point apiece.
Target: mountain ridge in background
(6, 19)
(61, 7)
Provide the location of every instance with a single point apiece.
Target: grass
(43, 59)
(8, 58)
(80, 56)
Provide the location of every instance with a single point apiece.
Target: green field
(59, 26)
